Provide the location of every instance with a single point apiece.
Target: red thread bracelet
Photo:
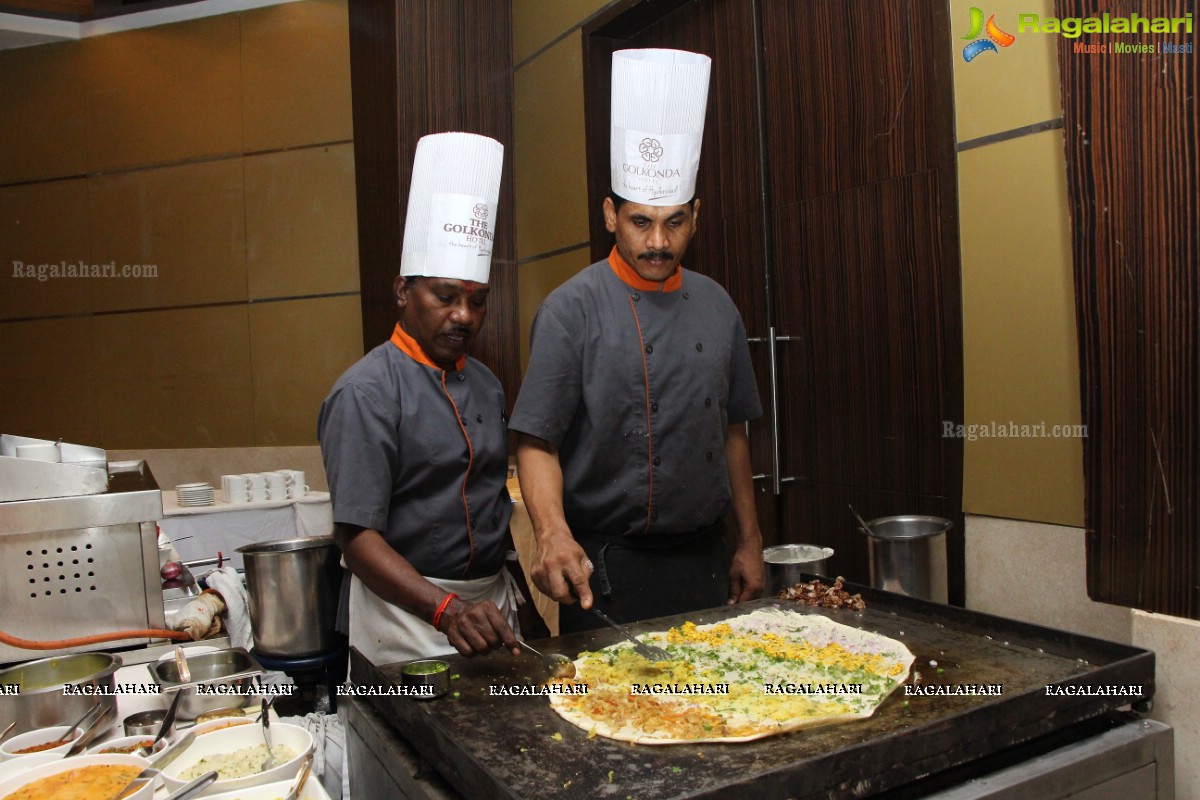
(437, 615)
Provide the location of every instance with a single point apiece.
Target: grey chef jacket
(636, 387)
(420, 454)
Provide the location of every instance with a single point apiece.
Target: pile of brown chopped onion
(816, 593)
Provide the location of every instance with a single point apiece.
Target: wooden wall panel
(869, 105)
(420, 67)
(1133, 176)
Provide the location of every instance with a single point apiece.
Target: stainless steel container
(293, 595)
(224, 679)
(42, 700)
(81, 565)
(908, 555)
(787, 563)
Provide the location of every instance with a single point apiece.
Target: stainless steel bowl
(223, 679)
(787, 563)
(146, 723)
(42, 700)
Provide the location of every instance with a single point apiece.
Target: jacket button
(462, 377)
(707, 402)
(708, 456)
(479, 418)
(699, 347)
(636, 297)
(685, 295)
(649, 349)
(657, 461)
(654, 407)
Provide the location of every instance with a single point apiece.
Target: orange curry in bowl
(96, 782)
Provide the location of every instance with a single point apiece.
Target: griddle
(516, 747)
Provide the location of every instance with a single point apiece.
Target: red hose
(80, 641)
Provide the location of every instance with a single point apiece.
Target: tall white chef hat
(452, 207)
(658, 104)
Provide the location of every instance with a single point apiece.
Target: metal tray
(223, 666)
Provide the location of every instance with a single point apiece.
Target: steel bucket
(787, 563)
(293, 595)
(908, 555)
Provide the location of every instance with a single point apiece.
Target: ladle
(866, 528)
(559, 665)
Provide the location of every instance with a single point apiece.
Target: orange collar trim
(629, 276)
(409, 346)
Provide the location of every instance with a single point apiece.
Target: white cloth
(200, 532)
(386, 634)
(228, 583)
(329, 745)
(452, 201)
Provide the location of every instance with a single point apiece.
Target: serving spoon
(164, 728)
(266, 726)
(559, 665)
(8, 730)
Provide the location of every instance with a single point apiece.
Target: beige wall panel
(49, 370)
(549, 138)
(536, 280)
(186, 223)
(536, 23)
(296, 74)
(1019, 340)
(43, 224)
(298, 349)
(44, 128)
(174, 379)
(163, 94)
(1005, 557)
(1016, 86)
(301, 223)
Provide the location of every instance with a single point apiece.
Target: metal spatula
(648, 652)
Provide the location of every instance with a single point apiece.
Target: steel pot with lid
(293, 586)
(42, 699)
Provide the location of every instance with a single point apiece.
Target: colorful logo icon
(994, 37)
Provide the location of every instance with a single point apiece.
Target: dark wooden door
(828, 194)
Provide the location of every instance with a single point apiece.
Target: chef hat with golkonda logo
(658, 103)
(452, 202)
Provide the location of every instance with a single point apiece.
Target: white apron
(385, 633)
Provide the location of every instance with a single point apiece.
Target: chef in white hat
(413, 436)
(632, 452)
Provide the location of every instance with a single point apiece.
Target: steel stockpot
(293, 586)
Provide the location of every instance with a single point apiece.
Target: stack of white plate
(194, 494)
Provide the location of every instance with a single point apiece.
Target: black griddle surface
(516, 747)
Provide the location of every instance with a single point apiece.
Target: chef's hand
(746, 578)
(561, 570)
(477, 628)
